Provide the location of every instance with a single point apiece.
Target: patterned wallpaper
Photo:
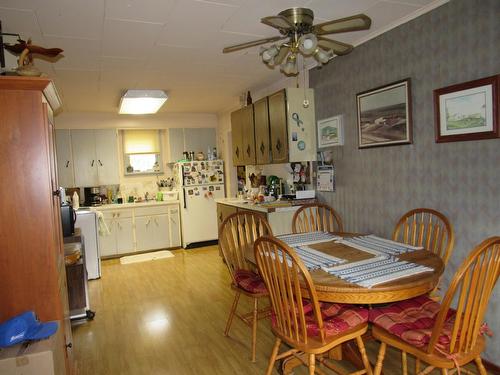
(454, 43)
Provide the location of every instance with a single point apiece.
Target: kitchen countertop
(116, 206)
(267, 207)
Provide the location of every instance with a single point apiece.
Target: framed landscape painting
(330, 132)
(384, 115)
(467, 111)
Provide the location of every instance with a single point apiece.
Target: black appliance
(92, 196)
(68, 218)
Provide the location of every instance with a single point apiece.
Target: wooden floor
(167, 317)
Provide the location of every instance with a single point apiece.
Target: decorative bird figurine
(25, 50)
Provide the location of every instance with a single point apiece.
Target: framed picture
(330, 132)
(467, 111)
(384, 115)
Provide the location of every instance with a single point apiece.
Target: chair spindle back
(428, 228)
(471, 287)
(316, 217)
(237, 233)
(283, 271)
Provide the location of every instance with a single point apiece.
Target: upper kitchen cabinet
(278, 127)
(237, 137)
(65, 170)
(190, 139)
(95, 157)
(262, 136)
(242, 129)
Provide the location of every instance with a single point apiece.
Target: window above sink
(142, 152)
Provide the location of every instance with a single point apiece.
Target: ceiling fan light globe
(323, 56)
(308, 44)
(290, 67)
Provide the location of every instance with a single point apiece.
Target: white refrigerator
(202, 183)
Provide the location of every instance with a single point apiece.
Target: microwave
(68, 218)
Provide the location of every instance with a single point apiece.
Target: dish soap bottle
(76, 201)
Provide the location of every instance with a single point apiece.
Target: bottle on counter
(76, 201)
(214, 154)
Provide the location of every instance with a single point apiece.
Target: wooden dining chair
(238, 233)
(316, 217)
(304, 327)
(428, 228)
(437, 334)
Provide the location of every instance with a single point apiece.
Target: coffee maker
(92, 196)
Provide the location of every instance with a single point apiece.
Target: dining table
(330, 288)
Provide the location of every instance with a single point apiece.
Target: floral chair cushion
(250, 281)
(413, 321)
(337, 318)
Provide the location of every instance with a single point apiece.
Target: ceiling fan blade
(254, 43)
(337, 47)
(342, 25)
(281, 55)
(278, 22)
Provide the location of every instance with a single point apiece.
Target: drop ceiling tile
(192, 21)
(78, 54)
(79, 19)
(111, 63)
(247, 19)
(17, 20)
(139, 10)
(129, 39)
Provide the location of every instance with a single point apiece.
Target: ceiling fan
(296, 27)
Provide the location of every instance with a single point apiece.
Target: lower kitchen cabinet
(152, 231)
(140, 229)
(120, 239)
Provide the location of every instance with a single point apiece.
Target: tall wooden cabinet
(32, 270)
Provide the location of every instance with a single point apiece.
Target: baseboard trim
(491, 367)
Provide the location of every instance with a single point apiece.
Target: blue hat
(25, 327)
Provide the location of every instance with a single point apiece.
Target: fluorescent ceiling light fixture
(141, 102)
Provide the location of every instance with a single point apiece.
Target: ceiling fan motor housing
(302, 18)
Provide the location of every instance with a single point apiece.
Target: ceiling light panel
(141, 102)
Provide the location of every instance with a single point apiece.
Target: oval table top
(330, 288)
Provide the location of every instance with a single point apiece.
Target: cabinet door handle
(69, 346)
(248, 150)
(56, 193)
(147, 222)
(220, 217)
(237, 152)
(262, 148)
(92, 164)
(99, 161)
(278, 145)
(67, 163)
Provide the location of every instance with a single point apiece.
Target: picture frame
(467, 111)
(331, 131)
(385, 115)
